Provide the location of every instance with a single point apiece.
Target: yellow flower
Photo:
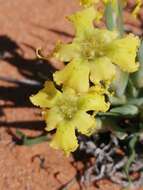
(67, 111)
(87, 3)
(137, 8)
(94, 53)
(83, 20)
(123, 52)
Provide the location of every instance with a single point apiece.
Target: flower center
(68, 107)
(93, 47)
(91, 50)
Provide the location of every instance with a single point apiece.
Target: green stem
(114, 17)
(120, 23)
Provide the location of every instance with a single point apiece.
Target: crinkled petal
(83, 20)
(75, 75)
(85, 123)
(102, 70)
(52, 117)
(65, 138)
(93, 101)
(101, 89)
(46, 97)
(104, 37)
(66, 52)
(138, 7)
(123, 52)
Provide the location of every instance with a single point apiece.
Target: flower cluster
(93, 59)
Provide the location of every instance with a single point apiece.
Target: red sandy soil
(31, 24)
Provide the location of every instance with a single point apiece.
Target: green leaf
(120, 134)
(114, 20)
(131, 90)
(109, 17)
(20, 134)
(127, 110)
(114, 17)
(138, 76)
(119, 85)
(120, 23)
(111, 124)
(107, 114)
(132, 155)
(118, 100)
(28, 141)
(136, 101)
(140, 53)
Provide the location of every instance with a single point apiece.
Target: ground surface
(26, 25)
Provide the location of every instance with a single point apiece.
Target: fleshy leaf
(136, 101)
(29, 141)
(121, 100)
(109, 18)
(131, 91)
(126, 110)
(120, 82)
(132, 156)
(138, 76)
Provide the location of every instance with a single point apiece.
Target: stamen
(40, 54)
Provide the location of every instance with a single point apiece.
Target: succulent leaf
(126, 110)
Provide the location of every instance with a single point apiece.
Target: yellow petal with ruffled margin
(65, 138)
(102, 70)
(93, 101)
(83, 20)
(66, 52)
(85, 123)
(75, 75)
(104, 37)
(52, 117)
(123, 52)
(46, 97)
(138, 7)
(88, 3)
